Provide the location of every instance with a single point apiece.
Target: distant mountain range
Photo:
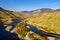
(42, 10)
(39, 10)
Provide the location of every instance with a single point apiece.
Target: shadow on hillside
(14, 24)
(5, 35)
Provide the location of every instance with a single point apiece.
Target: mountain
(1, 8)
(8, 16)
(46, 10)
(57, 10)
(38, 12)
(41, 11)
(48, 22)
(13, 24)
(27, 12)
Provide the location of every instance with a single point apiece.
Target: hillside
(47, 22)
(8, 16)
(38, 12)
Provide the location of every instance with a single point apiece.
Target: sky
(28, 5)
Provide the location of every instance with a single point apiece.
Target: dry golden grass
(34, 36)
(21, 30)
(47, 22)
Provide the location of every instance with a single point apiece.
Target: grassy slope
(8, 16)
(5, 18)
(47, 22)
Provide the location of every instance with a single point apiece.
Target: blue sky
(28, 5)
